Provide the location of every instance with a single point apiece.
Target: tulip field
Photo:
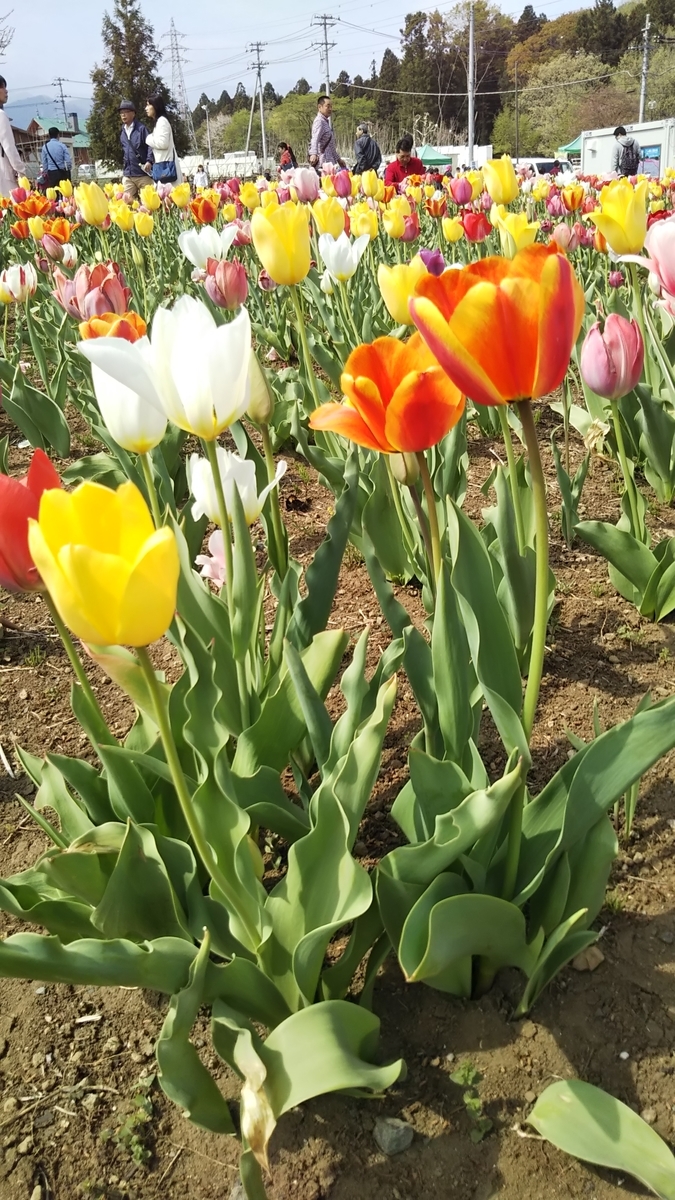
(337, 688)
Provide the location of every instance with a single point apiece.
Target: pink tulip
(611, 358)
(19, 195)
(660, 246)
(485, 202)
(284, 194)
(91, 293)
(306, 183)
(343, 184)
(244, 236)
(234, 185)
(265, 281)
(213, 564)
(554, 205)
(412, 228)
(615, 279)
(565, 238)
(52, 247)
(226, 283)
(461, 190)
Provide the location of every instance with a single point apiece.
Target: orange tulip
(573, 197)
(60, 229)
(129, 326)
(435, 207)
(33, 206)
(20, 230)
(503, 329)
(203, 210)
(600, 242)
(397, 398)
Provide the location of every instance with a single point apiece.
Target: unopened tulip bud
(52, 247)
(612, 357)
(69, 255)
(433, 261)
(654, 283)
(615, 279)
(261, 397)
(461, 190)
(226, 285)
(405, 468)
(326, 283)
(137, 255)
(42, 263)
(265, 281)
(343, 184)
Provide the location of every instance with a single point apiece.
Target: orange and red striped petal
(463, 368)
(345, 420)
(424, 408)
(562, 305)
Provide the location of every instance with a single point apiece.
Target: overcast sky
(65, 39)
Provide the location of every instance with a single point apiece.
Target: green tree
(198, 115)
(602, 30)
(528, 23)
(241, 99)
(495, 33)
(554, 38)
(301, 88)
(415, 73)
(504, 134)
(660, 81)
(386, 102)
(270, 97)
(128, 71)
(342, 85)
(225, 103)
(554, 93)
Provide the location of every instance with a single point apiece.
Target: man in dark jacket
(137, 155)
(367, 151)
(626, 153)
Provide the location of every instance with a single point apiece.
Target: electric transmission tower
(256, 48)
(178, 89)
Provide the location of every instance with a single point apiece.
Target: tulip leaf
(37, 416)
(453, 674)
(317, 720)
(88, 783)
(475, 925)
(54, 793)
(130, 795)
(182, 1075)
(69, 919)
(626, 554)
(161, 965)
(382, 524)
(245, 583)
(123, 668)
(267, 804)
(139, 901)
(584, 1121)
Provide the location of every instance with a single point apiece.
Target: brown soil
(70, 1085)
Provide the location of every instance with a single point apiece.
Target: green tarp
(431, 157)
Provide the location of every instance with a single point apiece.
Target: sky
(216, 37)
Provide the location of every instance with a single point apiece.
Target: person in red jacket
(404, 164)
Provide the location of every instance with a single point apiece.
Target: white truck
(657, 143)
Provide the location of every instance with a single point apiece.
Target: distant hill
(21, 112)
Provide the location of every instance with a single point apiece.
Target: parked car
(544, 166)
(86, 172)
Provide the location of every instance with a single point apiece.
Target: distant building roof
(81, 141)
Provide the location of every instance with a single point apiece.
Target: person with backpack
(626, 153)
(56, 160)
(366, 150)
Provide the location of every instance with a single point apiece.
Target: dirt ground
(80, 1111)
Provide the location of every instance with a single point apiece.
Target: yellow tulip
(281, 238)
(515, 231)
(122, 216)
(111, 574)
(229, 213)
(329, 216)
(269, 199)
(401, 204)
(573, 197)
(370, 183)
(655, 191)
(657, 206)
(144, 223)
(249, 196)
(65, 187)
(475, 178)
(363, 219)
(25, 183)
(37, 227)
(51, 194)
(180, 195)
(92, 203)
(109, 190)
(415, 193)
(397, 285)
(356, 185)
(429, 190)
(500, 179)
(453, 230)
(212, 195)
(541, 190)
(150, 198)
(623, 215)
(394, 222)
(327, 186)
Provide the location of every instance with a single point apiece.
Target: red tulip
(19, 501)
(476, 226)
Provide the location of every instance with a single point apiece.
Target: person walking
(405, 163)
(366, 150)
(625, 153)
(10, 163)
(166, 167)
(287, 159)
(201, 179)
(137, 155)
(55, 159)
(323, 148)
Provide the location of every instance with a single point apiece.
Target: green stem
(4, 331)
(433, 515)
(424, 524)
(567, 403)
(201, 845)
(513, 476)
(302, 331)
(211, 454)
(541, 573)
(628, 481)
(350, 315)
(275, 507)
(105, 736)
(639, 313)
(405, 527)
(152, 491)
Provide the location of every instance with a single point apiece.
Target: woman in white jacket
(10, 163)
(161, 138)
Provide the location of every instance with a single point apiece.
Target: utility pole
(471, 86)
(208, 128)
(645, 69)
(59, 84)
(516, 106)
(256, 48)
(178, 88)
(327, 22)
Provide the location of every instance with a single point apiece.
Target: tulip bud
(52, 247)
(611, 358)
(615, 279)
(326, 283)
(261, 397)
(433, 261)
(226, 284)
(461, 190)
(343, 184)
(137, 255)
(306, 183)
(265, 281)
(42, 263)
(405, 468)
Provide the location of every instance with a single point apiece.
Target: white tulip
(18, 283)
(134, 424)
(195, 371)
(234, 472)
(198, 245)
(342, 256)
(69, 255)
(326, 283)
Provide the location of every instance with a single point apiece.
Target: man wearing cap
(366, 150)
(137, 155)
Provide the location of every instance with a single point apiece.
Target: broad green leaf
(161, 965)
(182, 1075)
(88, 783)
(381, 523)
(455, 976)
(317, 720)
(267, 804)
(123, 669)
(130, 795)
(454, 678)
(139, 901)
(68, 918)
(621, 549)
(590, 1124)
(474, 925)
(245, 583)
(54, 793)
(434, 788)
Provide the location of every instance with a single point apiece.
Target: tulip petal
(90, 595)
(95, 518)
(345, 420)
(17, 504)
(57, 524)
(42, 474)
(135, 523)
(424, 408)
(561, 311)
(464, 371)
(149, 599)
